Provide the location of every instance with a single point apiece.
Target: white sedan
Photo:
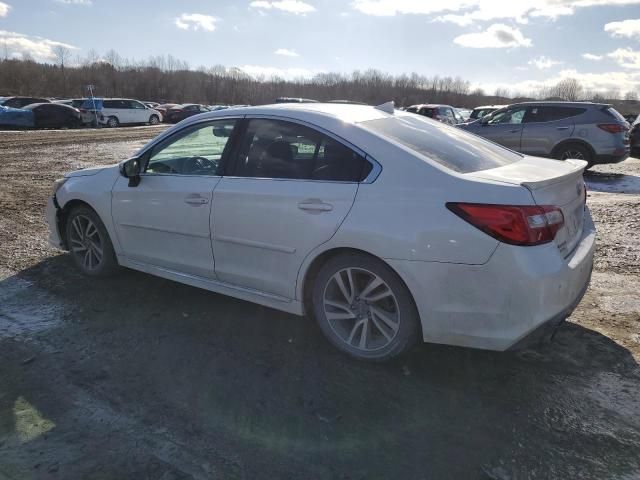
(384, 226)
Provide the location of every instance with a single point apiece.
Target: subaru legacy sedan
(385, 226)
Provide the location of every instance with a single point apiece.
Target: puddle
(24, 308)
(612, 182)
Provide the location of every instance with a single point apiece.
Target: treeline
(167, 79)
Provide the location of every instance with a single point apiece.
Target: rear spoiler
(577, 166)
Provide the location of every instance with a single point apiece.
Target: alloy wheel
(361, 309)
(572, 154)
(86, 243)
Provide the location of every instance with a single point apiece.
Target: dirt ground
(137, 377)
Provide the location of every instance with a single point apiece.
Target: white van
(120, 111)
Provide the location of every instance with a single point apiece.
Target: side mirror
(131, 169)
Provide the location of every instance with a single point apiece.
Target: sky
(521, 45)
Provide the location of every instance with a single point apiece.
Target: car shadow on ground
(261, 394)
(612, 182)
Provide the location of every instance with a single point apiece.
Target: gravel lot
(137, 377)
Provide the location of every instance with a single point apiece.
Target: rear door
(138, 112)
(504, 127)
(290, 189)
(546, 126)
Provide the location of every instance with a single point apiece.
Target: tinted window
(614, 113)
(412, 109)
(427, 112)
(112, 104)
(453, 148)
(136, 105)
(194, 151)
(507, 116)
(278, 149)
(551, 113)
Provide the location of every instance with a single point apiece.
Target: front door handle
(562, 128)
(315, 206)
(515, 131)
(196, 200)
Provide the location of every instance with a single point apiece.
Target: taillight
(524, 225)
(613, 127)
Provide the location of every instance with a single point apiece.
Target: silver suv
(594, 132)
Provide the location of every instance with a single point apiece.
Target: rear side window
(427, 112)
(453, 148)
(280, 149)
(551, 113)
(111, 104)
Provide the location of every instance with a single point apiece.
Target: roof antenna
(388, 107)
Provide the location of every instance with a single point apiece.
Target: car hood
(87, 172)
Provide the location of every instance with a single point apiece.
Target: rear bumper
(504, 303)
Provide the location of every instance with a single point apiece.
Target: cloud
(257, 71)
(76, 2)
(4, 9)
(465, 12)
(591, 56)
(625, 28)
(626, 57)
(598, 82)
(497, 35)
(37, 47)
(542, 62)
(286, 52)
(196, 21)
(291, 6)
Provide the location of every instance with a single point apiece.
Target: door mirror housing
(131, 169)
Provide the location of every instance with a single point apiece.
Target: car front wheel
(112, 122)
(154, 120)
(364, 308)
(89, 243)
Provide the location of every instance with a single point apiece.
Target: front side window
(197, 150)
(280, 149)
(508, 116)
(137, 105)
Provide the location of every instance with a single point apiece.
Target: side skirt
(242, 293)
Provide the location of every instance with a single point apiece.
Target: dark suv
(442, 113)
(594, 132)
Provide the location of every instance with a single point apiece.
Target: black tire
(408, 329)
(154, 120)
(95, 242)
(574, 150)
(113, 122)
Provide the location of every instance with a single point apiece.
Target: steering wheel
(195, 165)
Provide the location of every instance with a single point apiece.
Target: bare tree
(568, 89)
(62, 54)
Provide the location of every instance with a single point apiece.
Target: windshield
(455, 149)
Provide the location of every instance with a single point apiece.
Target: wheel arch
(310, 272)
(573, 141)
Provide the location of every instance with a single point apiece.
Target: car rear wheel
(112, 122)
(154, 120)
(574, 151)
(89, 243)
(363, 308)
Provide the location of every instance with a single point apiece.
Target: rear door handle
(196, 200)
(315, 206)
(515, 131)
(562, 128)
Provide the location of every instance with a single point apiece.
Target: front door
(504, 127)
(288, 192)
(165, 219)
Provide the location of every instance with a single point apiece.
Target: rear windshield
(451, 147)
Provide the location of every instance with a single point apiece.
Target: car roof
(429, 105)
(562, 103)
(490, 106)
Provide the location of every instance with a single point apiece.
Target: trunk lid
(550, 182)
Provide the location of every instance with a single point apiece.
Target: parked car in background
(180, 112)
(594, 132)
(465, 113)
(631, 117)
(73, 102)
(55, 115)
(13, 118)
(442, 113)
(122, 111)
(214, 108)
(151, 104)
(162, 108)
(634, 137)
(480, 112)
(19, 102)
(303, 224)
(294, 100)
